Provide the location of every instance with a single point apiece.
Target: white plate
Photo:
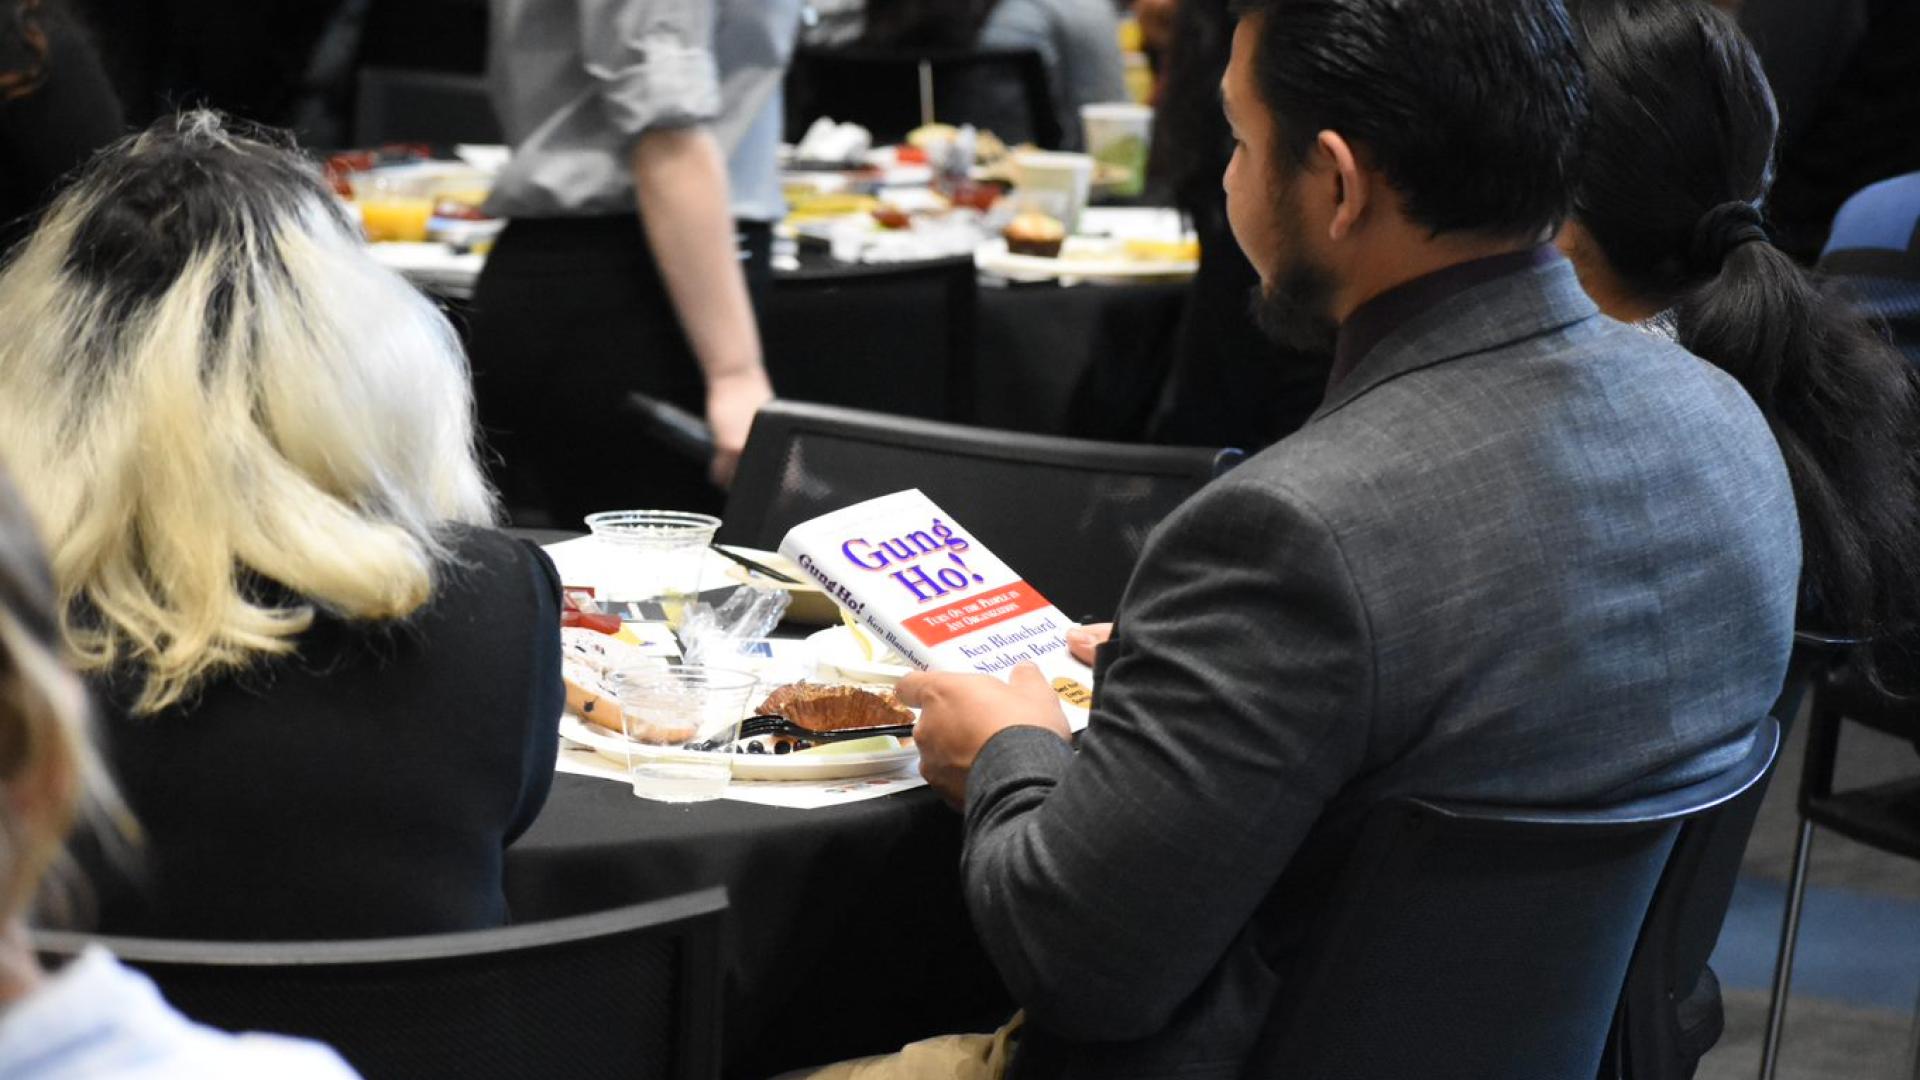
(1094, 265)
(1133, 223)
(839, 657)
(431, 265)
(802, 766)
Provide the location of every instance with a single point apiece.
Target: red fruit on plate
(591, 620)
(579, 608)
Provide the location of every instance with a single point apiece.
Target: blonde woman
(93, 1018)
(328, 690)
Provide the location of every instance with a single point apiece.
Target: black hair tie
(1722, 229)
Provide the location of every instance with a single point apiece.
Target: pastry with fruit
(1035, 234)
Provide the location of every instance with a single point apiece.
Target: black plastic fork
(773, 724)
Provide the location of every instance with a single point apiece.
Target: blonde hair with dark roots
(206, 380)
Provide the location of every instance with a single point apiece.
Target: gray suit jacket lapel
(1488, 316)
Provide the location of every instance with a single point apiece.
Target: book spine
(893, 635)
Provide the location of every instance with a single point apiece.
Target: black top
(1843, 73)
(367, 786)
(52, 131)
(1370, 324)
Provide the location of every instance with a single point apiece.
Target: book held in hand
(921, 585)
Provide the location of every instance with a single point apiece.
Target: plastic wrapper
(710, 635)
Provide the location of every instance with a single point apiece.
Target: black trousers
(569, 317)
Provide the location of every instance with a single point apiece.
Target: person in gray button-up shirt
(670, 109)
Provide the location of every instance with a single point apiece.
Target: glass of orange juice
(394, 204)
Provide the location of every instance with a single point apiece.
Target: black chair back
(394, 105)
(630, 993)
(999, 90)
(1670, 1009)
(1069, 515)
(425, 35)
(1483, 942)
(896, 338)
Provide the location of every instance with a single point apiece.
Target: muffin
(1035, 234)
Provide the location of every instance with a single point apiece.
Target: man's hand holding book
(959, 713)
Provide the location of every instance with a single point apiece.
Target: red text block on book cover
(976, 612)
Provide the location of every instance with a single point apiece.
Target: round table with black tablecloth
(847, 932)
(1087, 361)
(924, 339)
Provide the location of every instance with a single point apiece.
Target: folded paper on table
(923, 586)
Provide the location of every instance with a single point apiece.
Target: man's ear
(1352, 186)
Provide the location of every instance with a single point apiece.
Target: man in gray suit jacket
(1521, 554)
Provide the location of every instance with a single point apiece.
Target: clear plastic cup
(395, 205)
(1053, 183)
(1118, 135)
(670, 711)
(652, 555)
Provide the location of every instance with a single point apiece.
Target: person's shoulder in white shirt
(98, 1019)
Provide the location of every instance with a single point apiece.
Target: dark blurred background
(286, 62)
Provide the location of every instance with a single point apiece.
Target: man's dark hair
(1472, 109)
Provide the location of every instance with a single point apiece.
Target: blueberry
(781, 748)
(755, 748)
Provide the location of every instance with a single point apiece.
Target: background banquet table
(847, 933)
(1086, 360)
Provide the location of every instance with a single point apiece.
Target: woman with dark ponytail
(1668, 231)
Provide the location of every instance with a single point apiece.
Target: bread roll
(589, 697)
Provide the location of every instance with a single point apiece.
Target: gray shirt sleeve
(1090, 62)
(1080, 42)
(653, 61)
(1235, 705)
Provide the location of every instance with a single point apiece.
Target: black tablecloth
(847, 931)
(1087, 361)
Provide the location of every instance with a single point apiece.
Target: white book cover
(921, 585)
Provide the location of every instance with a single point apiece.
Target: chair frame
(372, 119)
(1690, 904)
(1667, 811)
(1853, 814)
(758, 479)
(697, 915)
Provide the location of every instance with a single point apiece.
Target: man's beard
(1296, 310)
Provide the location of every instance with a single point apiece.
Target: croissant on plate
(830, 708)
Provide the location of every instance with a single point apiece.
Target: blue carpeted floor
(1857, 972)
(1859, 949)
